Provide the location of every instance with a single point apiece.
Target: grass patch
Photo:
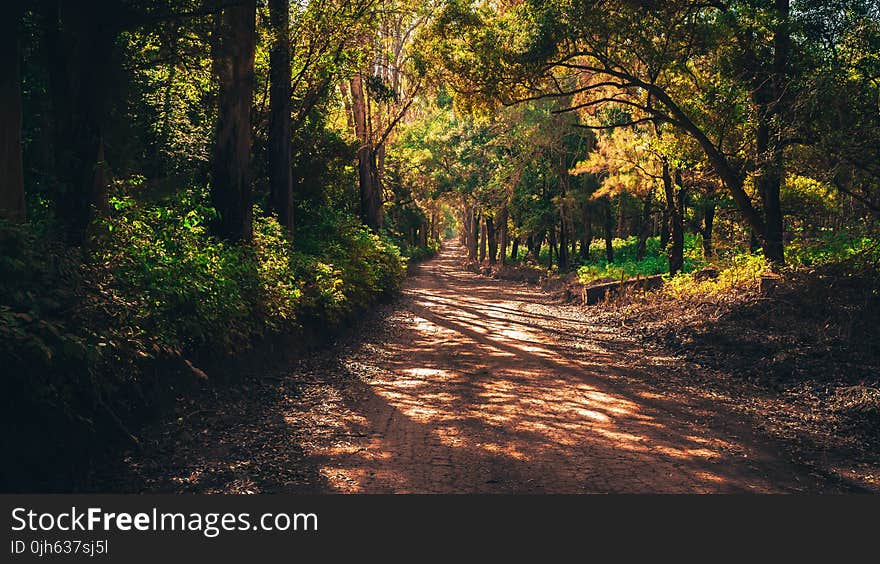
(625, 264)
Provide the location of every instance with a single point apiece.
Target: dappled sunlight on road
(475, 394)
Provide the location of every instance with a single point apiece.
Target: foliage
(732, 83)
(830, 246)
(739, 273)
(626, 160)
(625, 264)
(737, 269)
(88, 337)
(194, 291)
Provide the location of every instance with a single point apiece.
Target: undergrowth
(625, 264)
(734, 268)
(91, 338)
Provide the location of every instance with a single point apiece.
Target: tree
(81, 43)
(280, 150)
(634, 160)
(835, 116)
(369, 183)
(379, 94)
(233, 59)
(12, 206)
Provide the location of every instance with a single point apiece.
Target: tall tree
(12, 205)
(675, 215)
(280, 172)
(83, 67)
(233, 59)
(634, 160)
(380, 94)
(368, 175)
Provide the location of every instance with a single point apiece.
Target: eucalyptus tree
(280, 135)
(311, 47)
(381, 89)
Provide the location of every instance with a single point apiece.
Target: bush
(418, 253)
(195, 291)
(739, 273)
(349, 272)
(625, 264)
(89, 340)
(828, 246)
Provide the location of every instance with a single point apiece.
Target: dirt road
(465, 384)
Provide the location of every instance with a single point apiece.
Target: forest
(533, 199)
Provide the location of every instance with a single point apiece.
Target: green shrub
(347, 273)
(419, 253)
(625, 264)
(88, 339)
(828, 246)
(737, 273)
(175, 282)
(196, 291)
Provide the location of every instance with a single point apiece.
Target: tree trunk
(370, 192)
(552, 243)
(465, 226)
(644, 227)
(587, 236)
(768, 95)
(708, 223)
(514, 249)
(774, 250)
(562, 252)
(481, 226)
(676, 250)
(564, 186)
(465, 235)
(491, 237)
(664, 228)
(279, 150)
(471, 233)
(231, 179)
(682, 195)
(768, 180)
(505, 239)
(12, 206)
(620, 216)
(474, 234)
(609, 232)
(81, 43)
